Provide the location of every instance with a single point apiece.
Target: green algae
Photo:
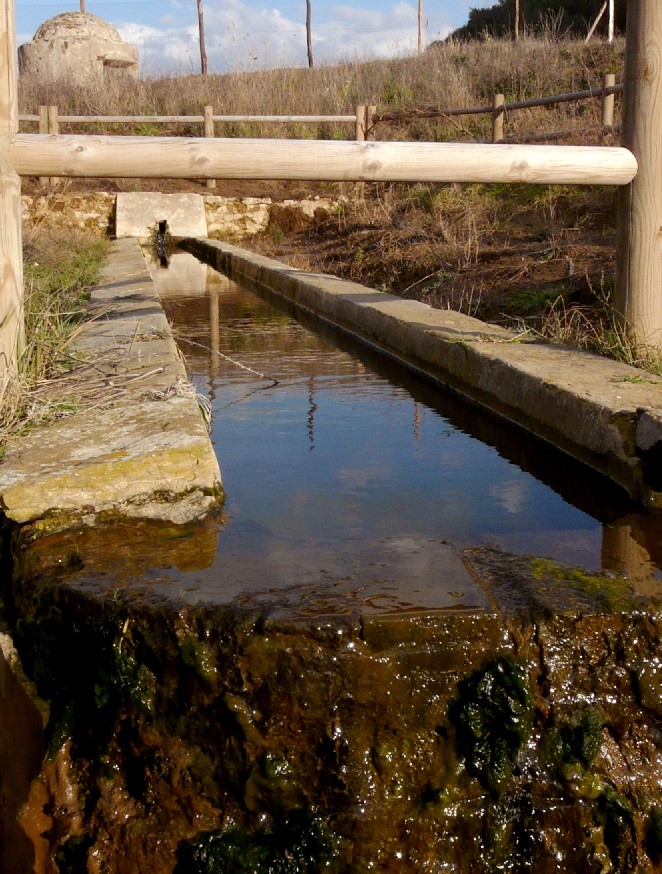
(301, 844)
(604, 591)
(198, 655)
(492, 715)
(576, 740)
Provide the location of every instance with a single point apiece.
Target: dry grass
(59, 267)
(447, 75)
(597, 328)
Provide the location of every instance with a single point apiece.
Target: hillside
(540, 257)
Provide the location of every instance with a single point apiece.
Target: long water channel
(341, 466)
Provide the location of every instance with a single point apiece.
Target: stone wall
(228, 218)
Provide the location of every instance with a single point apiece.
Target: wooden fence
(364, 120)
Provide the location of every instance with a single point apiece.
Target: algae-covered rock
(240, 738)
(492, 716)
(300, 844)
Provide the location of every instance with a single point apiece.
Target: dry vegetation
(537, 257)
(59, 268)
(449, 75)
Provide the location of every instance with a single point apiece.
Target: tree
(504, 17)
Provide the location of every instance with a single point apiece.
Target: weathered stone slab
(138, 447)
(138, 213)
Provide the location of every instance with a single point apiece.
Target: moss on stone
(492, 715)
(608, 592)
(302, 843)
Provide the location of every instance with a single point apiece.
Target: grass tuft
(59, 268)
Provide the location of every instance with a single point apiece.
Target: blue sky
(257, 34)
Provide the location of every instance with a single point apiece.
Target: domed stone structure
(77, 45)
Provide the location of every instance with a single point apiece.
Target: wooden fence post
(498, 115)
(209, 132)
(360, 123)
(369, 122)
(43, 129)
(53, 121)
(53, 130)
(11, 254)
(608, 101)
(638, 294)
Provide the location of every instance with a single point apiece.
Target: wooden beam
(11, 254)
(638, 296)
(323, 160)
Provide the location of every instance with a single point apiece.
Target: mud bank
(270, 734)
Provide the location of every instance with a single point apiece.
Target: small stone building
(77, 45)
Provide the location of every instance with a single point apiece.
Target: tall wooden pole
(309, 34)
(516, 19)
(638, 295)
(201, 29)
(420, 26)
(11, 255)
(610, 32)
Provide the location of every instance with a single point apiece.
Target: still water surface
(340, 466)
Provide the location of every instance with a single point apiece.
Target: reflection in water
(294, 516)
(311, 412)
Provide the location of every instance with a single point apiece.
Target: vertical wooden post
(638, 294)
(209, 132)
(53, 130)
(498, 115)
(43, 119)
(610, 30)
(201, 32)
(360, 123)
(43, 129)
(608, 101)
(369, 122)
(11, 254)
(309, 35)
(53, 121)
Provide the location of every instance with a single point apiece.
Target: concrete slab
(138, 213)
(603, 412)
(139, 446)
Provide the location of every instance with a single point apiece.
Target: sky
(255, 34)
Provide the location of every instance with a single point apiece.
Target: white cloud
(241, 37)
(511, 495)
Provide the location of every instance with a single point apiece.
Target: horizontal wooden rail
(317, 160)
(435, 111)
(194, 119)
